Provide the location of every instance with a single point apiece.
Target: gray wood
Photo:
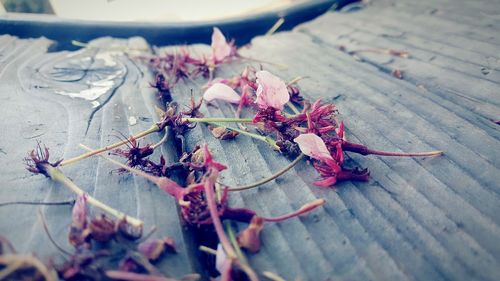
(416, 219)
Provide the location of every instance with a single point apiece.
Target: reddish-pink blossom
(219, 91)
(271, 91)
(220, 48)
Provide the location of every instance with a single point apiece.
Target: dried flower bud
(129, 231)
(102, 229)
(250, 237)
(222, 133)
(153, 249)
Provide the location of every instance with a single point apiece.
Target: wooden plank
(416, 219)
(35, 91)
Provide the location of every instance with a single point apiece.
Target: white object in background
(162, 10)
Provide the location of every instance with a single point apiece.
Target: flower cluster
(170, 68)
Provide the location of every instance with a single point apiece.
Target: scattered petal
(271, 91)
(219, 91)
(220, 48)
(220, 259)
(313, 146)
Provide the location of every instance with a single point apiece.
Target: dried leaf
(222, 133)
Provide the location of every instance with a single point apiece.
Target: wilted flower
(154, 248)
(37, 159)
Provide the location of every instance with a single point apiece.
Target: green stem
(218, 119)
(236, 246)
(154, 128)
(268, 140)
(56, 175)
(293, 108)
(275, 26)
(272, 177)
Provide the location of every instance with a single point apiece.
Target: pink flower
(220, 48)
(271, 91)
(219, 91)
(313, 146)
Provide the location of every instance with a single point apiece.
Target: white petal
(219, 91)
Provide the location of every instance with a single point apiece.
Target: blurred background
(147, 10)
(160, 22)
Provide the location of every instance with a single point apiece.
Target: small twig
(56, 203)
(154, 128)
(163, 139)
(272, 177)
(275, 26)
(207, 250)
(46, 228)
(272, 276)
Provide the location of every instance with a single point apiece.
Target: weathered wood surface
(417, 219)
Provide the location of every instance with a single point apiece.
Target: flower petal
(220, 48)
(79, 214)
(271, 91)
(313, 146)
(219, 91)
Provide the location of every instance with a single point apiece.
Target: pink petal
(220, 48)
(219, 91)
(326, 182)
(313, 146)
(271, 91)
(79, 214)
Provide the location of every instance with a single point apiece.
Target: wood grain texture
(416, 219)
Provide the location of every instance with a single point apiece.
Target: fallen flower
(221, 49)
(219, 91)
(271, 91)
(313, 146)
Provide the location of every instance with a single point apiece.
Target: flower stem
(304, 209)
(275, 26)
(207, 250)
(293, 107)
(272, 177)
(56, 175)
(154, 128)
(217, 119)
(364, 150)
(214, 214)
(268, 140)
(236, 246)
